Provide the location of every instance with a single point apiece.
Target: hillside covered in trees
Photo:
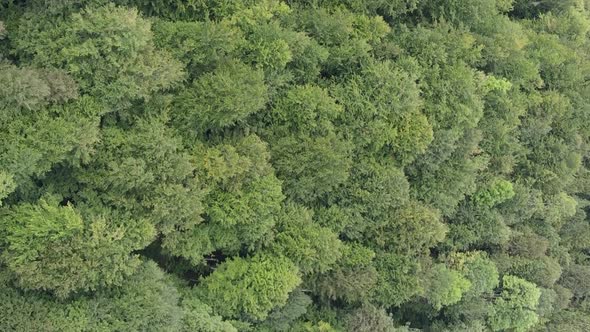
(303, 165)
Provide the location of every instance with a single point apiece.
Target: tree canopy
(295, 165)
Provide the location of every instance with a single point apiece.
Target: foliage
(368, 318)
(575, 278)
(445, 286)
(350, 278)
(146, 301)
(313, 248)
(241, 205)
(30, 89)
(383, 111)
(199, 317)
(515, 308)
(495, 193)
(398, 279)
(7, 185)
(108, 50)
(200, 46)
(297, 165)
(478, 269)
(220, 98)
(250, 288)
(282, 319)
(50, 248)
(543, 271)
(319, 165)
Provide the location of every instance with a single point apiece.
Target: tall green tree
(108, 50)
(50, 247)
(250, 288)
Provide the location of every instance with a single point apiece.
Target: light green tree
(516, 306)
(445, 286)
(313, 248)
(53, 248)
(250, 288)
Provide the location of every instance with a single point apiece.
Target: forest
(295, 165)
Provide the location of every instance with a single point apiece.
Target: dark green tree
(108, 50)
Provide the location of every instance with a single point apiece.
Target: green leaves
(398, 279)
(200, 46)
(311, 168)
(494, 193)
(7, 185)
(411, 230)
(301, 165)
(368, 318)
(478, 269)
(347, 36)
(515, 308)
(52, 248)
(145, 301)
(250, 288)
(575, 278)
(445, 286)
(313, 248)
(221, 98)
(198, 316)
(108, 50)
(306, 109)
(543, 271)
(31, 89)
(351, 279)
(243, 198)
(379, 103)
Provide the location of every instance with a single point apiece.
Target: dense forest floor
(303, 165)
